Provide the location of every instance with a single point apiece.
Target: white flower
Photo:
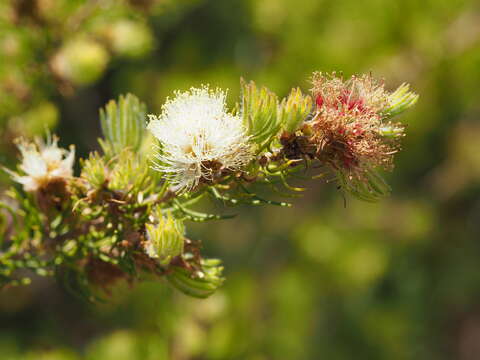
(198, 138)
(42, 163)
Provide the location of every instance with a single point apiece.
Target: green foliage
(93, 170)
(259, 111)
(296, 285)
(370, 187)
(165, 239)
(52, 48)
(294, 109)
(400, 100)
(120, 220)
(130, 174)
(202, 283)
(392, 131)
(123, 124)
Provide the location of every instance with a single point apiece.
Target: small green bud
(200, 284)
(259, 112)
(293, 110)
(94, 170)
(129, 173)
(165, 239)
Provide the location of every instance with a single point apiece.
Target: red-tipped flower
(349, 127)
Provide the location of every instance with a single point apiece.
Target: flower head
(350, 131)
(360, 94)
(349, 126)
(199, 139)
(42, 163)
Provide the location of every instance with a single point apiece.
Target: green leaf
(200, 284)
(259, 112)
(165, 240)
(293, 110)
(123, 124)
(371, 187)
(94, 170)
(392, 131)
(400, 100)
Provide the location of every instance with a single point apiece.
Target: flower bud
(200, 284)
(258, 111)
(94, 170)
(165, 239)
(293, 110)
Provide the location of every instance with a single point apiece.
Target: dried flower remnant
(199, 139)
(42, 164)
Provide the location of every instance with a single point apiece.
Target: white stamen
(195, 128)
(42, 163)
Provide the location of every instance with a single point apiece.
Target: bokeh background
(399, 279)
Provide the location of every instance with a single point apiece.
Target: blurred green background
(395, 280)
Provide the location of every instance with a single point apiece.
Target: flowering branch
(123, 217)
